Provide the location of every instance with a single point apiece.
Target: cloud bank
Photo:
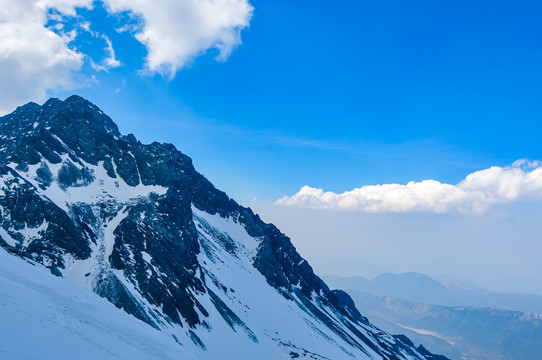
(473, 195)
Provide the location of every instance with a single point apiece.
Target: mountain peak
(77, 99)
(74, 126)
(75, 114)
(53, 102)
(77, 111)
(29, 105)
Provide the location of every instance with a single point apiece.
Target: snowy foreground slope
(139, 226)
(45, 317)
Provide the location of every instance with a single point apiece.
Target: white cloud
(176, 31)
(110, 61)
(34, 59)
(475, 194)
(66, 7)
(85, 25)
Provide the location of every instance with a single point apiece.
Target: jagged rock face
(77, 137)
(141, 227)
(22, 209)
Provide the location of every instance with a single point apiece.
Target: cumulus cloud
(473, 195)
(33, 58)
(176, 31)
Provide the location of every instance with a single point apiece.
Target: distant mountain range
(461, 323)
(139, 226)
(422, 289)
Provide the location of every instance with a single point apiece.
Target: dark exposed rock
(45, 177)
(23, 208)
(111, 288)
(428, 355)
(70, 175)
(345, 301)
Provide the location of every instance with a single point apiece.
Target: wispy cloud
(474, 195)
(423, 150)
(110, 61)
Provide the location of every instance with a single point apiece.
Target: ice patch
(108, 236)
(146, 256)
(7, 237)
(30, 234)
(102, 189)
(230, 227)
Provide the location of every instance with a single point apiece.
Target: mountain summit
(138, 225)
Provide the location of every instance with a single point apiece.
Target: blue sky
(335, 96)
(346, 95)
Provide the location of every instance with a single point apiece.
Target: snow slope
(45, 317)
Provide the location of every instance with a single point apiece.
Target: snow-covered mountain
(137, 225)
